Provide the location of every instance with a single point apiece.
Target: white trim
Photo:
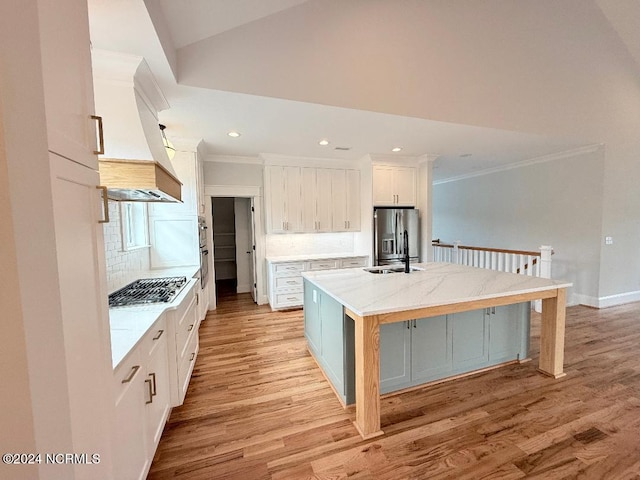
(182, 144)
(299, 161)
(395, 160)
(525, 163)
(233, 159)
(608, 301)
(232, 191)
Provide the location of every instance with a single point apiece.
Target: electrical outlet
(608, 240)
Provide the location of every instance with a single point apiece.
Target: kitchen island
(350, 307)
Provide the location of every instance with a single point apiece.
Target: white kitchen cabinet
(131, 459)
(158, 391)
(81, 269)
(142, 395)
(316, 199)
(394, 186)
(68, 85)
(285, 283)
(283, 199)
(345, 198)
(174, 241)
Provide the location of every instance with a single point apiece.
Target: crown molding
(525, 163)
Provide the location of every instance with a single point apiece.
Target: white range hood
(135, 165)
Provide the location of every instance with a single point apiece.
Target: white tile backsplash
(122, 266)
(309, 244)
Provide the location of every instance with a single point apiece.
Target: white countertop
(129, 324)
(438, 284)
(321, 256)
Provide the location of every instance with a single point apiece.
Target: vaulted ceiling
(438, 78)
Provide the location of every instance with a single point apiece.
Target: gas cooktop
(147, 291)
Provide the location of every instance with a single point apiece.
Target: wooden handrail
(484, 249)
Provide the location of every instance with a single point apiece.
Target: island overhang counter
(436, 289)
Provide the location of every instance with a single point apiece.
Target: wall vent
(342, 148)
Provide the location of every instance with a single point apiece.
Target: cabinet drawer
(354, 262)
(322, 264)
(294, 283)
(288, 268)
(186, 365)
(187, 325)
(128, 373)
(289, 299)
(155, 336)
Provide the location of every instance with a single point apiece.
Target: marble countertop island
(435, 284)
(436, 289)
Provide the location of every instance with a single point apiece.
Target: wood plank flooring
(259, 408)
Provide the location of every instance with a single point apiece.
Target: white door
(244, 246)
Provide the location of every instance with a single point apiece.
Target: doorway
(234, 246)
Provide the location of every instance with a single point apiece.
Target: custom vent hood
(135, 165)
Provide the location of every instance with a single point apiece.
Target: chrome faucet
(406, 251)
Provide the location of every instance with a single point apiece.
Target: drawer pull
(148, 382)
(160, 332)
(292, 298)
(132, 374)
(192, 356)
(190, 328)
(291, 282)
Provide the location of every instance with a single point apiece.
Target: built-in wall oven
(204, 251)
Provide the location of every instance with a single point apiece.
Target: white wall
(557, 203)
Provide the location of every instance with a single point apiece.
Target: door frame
(255, 194)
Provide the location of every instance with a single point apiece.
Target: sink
(383, 270)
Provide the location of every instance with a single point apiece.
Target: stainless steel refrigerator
(389, 225)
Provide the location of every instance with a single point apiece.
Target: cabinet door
(323, 199)
(353, 200)
(339, 200)
(404, 179)
(332, 340)
(130, 455)
(275, 199)
(395, 356)
(68, 84)
(293, 201)
(430, 348)
(470, 339)
(82, 287)
(383, 186)
(312, 325)
(157, 392)
(505, 326)
(309, 214)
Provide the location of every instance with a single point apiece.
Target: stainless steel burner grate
(148, 291)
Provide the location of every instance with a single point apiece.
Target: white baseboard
(608, 301)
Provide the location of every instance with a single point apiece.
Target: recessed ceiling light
(396, 149)
(233, 134)
(323, 142)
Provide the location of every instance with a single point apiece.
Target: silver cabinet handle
(408, 322)
(415, 324)
(291, 282)
(148, 382)
(160, 332)
(348, 223)
(291, 298)
(132, 374)
(100, 150)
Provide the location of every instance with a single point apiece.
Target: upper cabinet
(345, 195)
(68, 86)
(311, 200)
(283, 199)
(316, 190)
(394, 186)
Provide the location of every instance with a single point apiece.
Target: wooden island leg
(367, 357)
(552, 335)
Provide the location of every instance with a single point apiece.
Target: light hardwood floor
(259, 408)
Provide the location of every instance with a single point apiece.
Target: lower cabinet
(426, 349)
(142, 404)
(328, 331)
